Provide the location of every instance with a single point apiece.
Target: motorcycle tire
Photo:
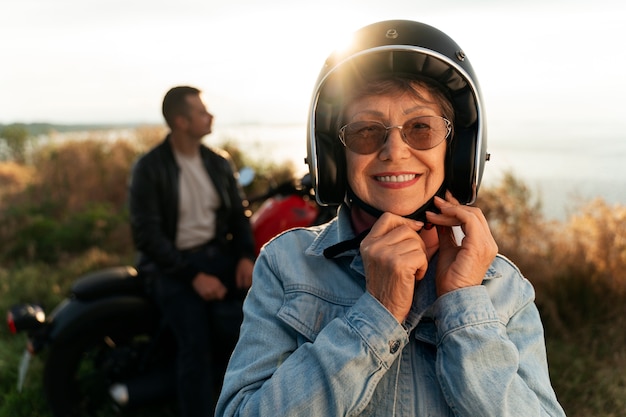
(101, 351)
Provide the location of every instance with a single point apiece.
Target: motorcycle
(106, 344)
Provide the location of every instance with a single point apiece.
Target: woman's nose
(395, 147)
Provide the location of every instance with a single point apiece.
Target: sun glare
(269, 74)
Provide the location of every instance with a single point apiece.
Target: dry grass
(14, 178)
(81, 172)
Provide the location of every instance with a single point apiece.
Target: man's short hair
(175, 102)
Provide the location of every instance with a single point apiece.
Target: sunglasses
(421, 133)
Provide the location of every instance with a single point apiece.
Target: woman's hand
(461, 265)
(394, 257)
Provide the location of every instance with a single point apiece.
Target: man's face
(198, 120)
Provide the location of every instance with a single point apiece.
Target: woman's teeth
(396, 178)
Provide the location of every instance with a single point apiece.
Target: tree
(14, 141)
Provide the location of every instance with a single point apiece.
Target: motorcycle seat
(107, 282)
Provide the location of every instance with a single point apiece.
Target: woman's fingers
(394, 256)
(461, 263)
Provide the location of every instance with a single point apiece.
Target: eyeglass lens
(421, 133)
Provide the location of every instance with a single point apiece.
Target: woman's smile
(399, 180)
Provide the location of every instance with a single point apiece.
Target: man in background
(188, 224)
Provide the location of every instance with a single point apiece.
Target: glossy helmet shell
(403, 48)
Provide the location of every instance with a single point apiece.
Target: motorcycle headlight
(23, 317)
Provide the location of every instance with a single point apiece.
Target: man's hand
(209, 287)
(243, 277)
(394, 257)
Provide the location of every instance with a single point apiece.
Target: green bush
(43, 238)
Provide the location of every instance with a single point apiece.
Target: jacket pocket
(308, 309)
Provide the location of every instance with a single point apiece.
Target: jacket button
(394, 345)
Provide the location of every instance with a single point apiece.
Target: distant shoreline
(44, 128)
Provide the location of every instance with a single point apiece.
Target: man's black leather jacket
(153, 200)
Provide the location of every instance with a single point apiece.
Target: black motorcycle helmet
(403, 48)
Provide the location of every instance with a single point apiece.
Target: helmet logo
(391, 34)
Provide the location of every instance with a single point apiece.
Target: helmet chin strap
(419, 214)
(351, 199)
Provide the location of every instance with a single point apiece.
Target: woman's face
(396, 178)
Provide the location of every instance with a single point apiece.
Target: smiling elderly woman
(382, 311)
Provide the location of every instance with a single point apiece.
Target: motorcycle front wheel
(81, 368)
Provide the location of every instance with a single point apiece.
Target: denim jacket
(315, 343)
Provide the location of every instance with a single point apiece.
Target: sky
(559, 62)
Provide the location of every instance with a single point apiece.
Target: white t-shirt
(198, 202)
